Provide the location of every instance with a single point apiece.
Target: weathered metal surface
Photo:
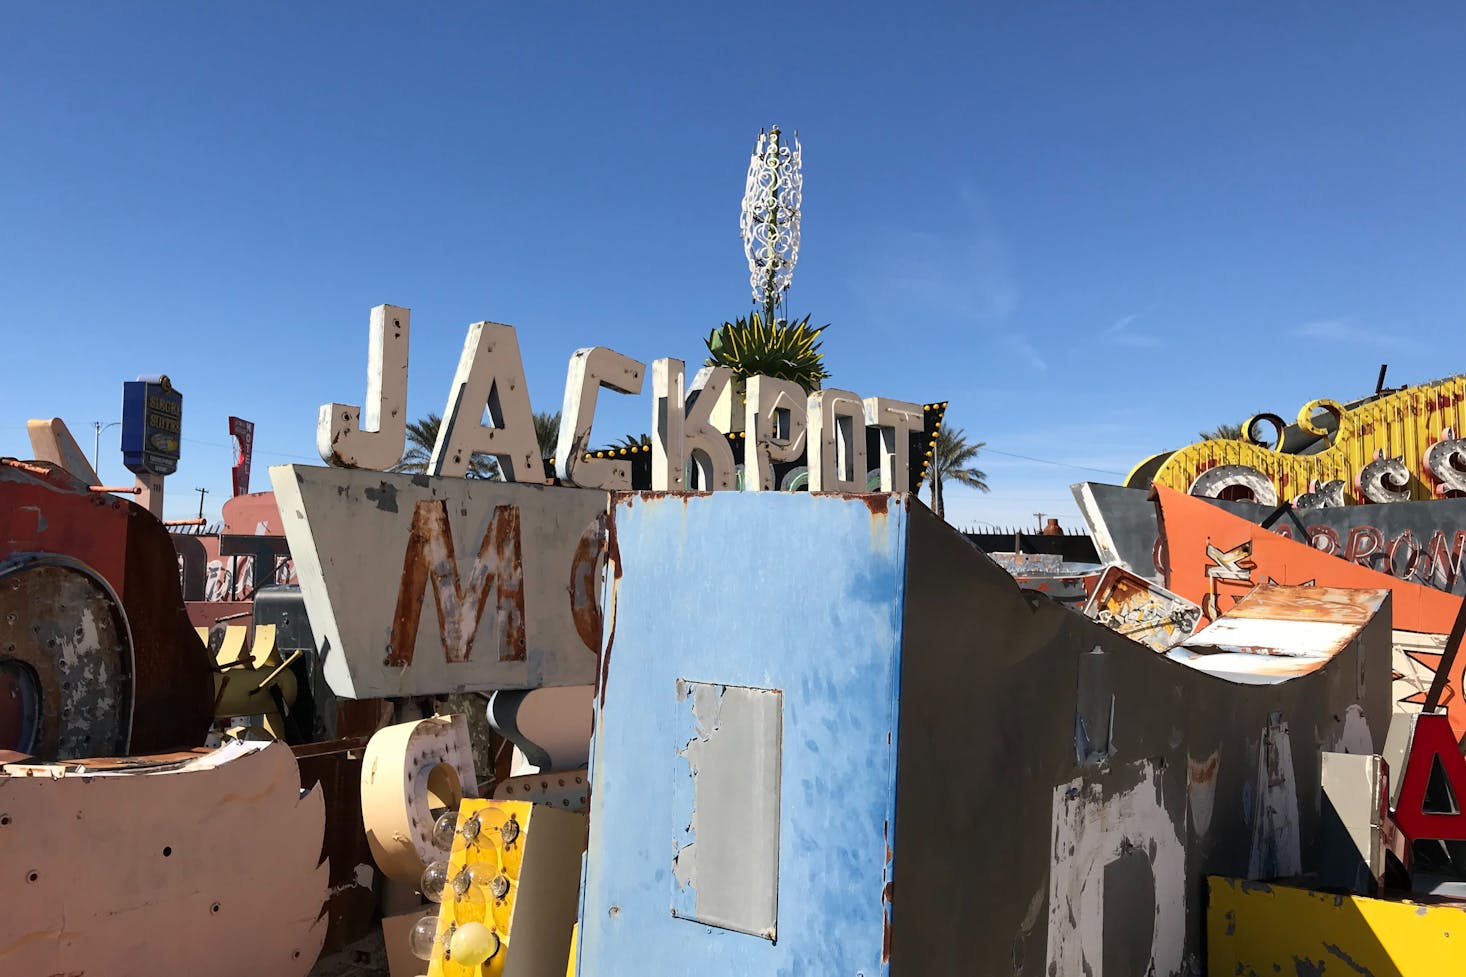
(725, 872)
(1403, 445)
(351, 901)
(1255, 928)
(205, 863)
(1278, 633)
(1419, 542)
(1140, 610)
(1150, 770)
(1354, 798)
(567, 790)
(62, 627)
(835, 662)
(412, 772)
(43, 510)
(518, 876)
(419, 586)
(1216, 558)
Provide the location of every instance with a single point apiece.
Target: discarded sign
(1140, 610)
(423, 586)
(864, 762)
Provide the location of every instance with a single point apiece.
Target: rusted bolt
(614, 911)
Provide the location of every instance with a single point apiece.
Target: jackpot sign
(423, 585)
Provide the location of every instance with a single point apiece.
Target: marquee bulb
(434, 878)
(423, 937)
(444, 829)
(472, 944)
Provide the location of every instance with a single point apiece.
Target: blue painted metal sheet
(792, 593)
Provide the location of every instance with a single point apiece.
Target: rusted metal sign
(1140, 610)
(421, 586)
(1400, 446)
(1215, 559)
(125, 554)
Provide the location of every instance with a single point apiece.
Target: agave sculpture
(750, 347)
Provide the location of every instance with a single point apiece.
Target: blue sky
(1093, 229)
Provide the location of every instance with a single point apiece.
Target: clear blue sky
(1092, 228)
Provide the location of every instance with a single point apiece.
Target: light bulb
(444, 829)
(461, 883)
(470, 828)
(423, 937)
(482, 873)
(472, 944)
(434, 878)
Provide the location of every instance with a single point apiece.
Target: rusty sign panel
(45, 511)
(1140, 775)
(1216, 559)
(426, 586)
(1400, 446)
(1140, 610)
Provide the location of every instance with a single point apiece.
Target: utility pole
(202, 492)
(1040, 517)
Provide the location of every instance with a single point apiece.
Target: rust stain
(1203, 773)
(585, 605)
(613, 561)
(509, 578)
(887, 894)
(430, 559)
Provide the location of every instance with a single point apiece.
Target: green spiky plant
(751, 347)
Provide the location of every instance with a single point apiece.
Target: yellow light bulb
(472, 944)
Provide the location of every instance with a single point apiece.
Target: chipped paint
(1276, 852)
(1092, 828)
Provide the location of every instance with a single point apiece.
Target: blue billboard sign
(152, 425)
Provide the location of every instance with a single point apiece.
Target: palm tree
(1223, 432)
(422, 435)
(951, 458)
(547, 432)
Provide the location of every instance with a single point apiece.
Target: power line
(1047, 461)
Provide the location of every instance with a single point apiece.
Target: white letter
(897, 420)
(707, 448)
(836, 442)
(489, 373)
(771, 437)
(590, 369)
(669, 457)
(378, 443)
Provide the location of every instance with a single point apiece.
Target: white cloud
(1119, 333)
(1349, 331)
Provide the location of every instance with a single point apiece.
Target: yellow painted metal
(506, 876)
(574, 943)
(1399, 425)
(232, 690)
(1259, 928)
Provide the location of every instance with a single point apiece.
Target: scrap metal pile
(725, 722)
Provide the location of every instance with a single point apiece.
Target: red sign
(243, 433)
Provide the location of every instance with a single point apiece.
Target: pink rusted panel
(206, 862)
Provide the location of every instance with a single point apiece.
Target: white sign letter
(490, 373)
(341, 437)
(836, 442)
(897, 420)
(669, 457)
(590, 369)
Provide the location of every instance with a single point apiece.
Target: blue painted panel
(791, 592)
